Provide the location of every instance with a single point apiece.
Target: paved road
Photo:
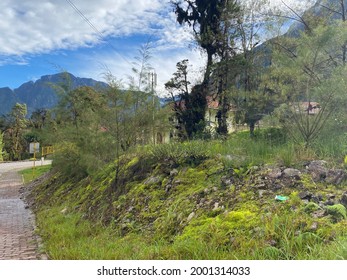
(17, 223)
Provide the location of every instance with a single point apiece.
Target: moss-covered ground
(203, 201)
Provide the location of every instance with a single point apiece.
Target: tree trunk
(222, 116)
(251, 129)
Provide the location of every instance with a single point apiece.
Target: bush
(192, 152)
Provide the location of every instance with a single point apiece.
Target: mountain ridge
(41, 93)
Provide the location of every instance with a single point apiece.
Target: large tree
(309, 72)
(210, 21)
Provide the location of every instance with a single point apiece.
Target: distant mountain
(329, 9)
(42, 93)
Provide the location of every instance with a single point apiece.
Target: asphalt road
(20, 165)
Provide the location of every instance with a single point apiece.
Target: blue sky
(40, 37)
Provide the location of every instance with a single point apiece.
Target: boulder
(152, 180)
(336, 176)
(318, 170)
(173, 172)
(275, 173)
(343, 199)
(292, 173)
(305, 195)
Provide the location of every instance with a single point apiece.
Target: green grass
(31, 174)
(88, 220)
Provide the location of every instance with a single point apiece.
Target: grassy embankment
(31, 174)
(198, 200)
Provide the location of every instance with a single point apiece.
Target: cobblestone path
(17, 223)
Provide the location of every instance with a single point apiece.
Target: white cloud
(40, 26)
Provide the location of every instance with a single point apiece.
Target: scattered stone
(190, 217)
(226, 181)
(275, 173)
(261, 193)
(216, 206)
(344, 199)
(168, 188)
(329, 203)
(177, 182)
(261, 186)
(317, 198)
(305, 195)
(152, 180)
(318, 170)
(314, 226)
(174, 172)
(215, 189)
(292, 173)
(336, 176)
(318, 214)
(64, 211)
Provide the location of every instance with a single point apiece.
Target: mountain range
(41, 93)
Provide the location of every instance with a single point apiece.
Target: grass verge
(31, 174)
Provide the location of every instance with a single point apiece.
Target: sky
(88, 38)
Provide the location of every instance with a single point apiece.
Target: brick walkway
(17, 223)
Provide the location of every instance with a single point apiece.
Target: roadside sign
(34, 147)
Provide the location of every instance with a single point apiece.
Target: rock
(343, 199)
(318, 170)
(216, 206)
(177, 182)
(314, 226)
(226, 181)
(317, 198)
(275, 173)
(64, 211)
(168, 188)
(173, 172)
(190, 217)
(329, 203)
(261, 193)
(318, 214)
(152, 180)
(292, 173)
(336, 176)
(305, 195)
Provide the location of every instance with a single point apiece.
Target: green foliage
(337, 211)
(308, 71)
(192, 152)
(311, 207)
(13, 137)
